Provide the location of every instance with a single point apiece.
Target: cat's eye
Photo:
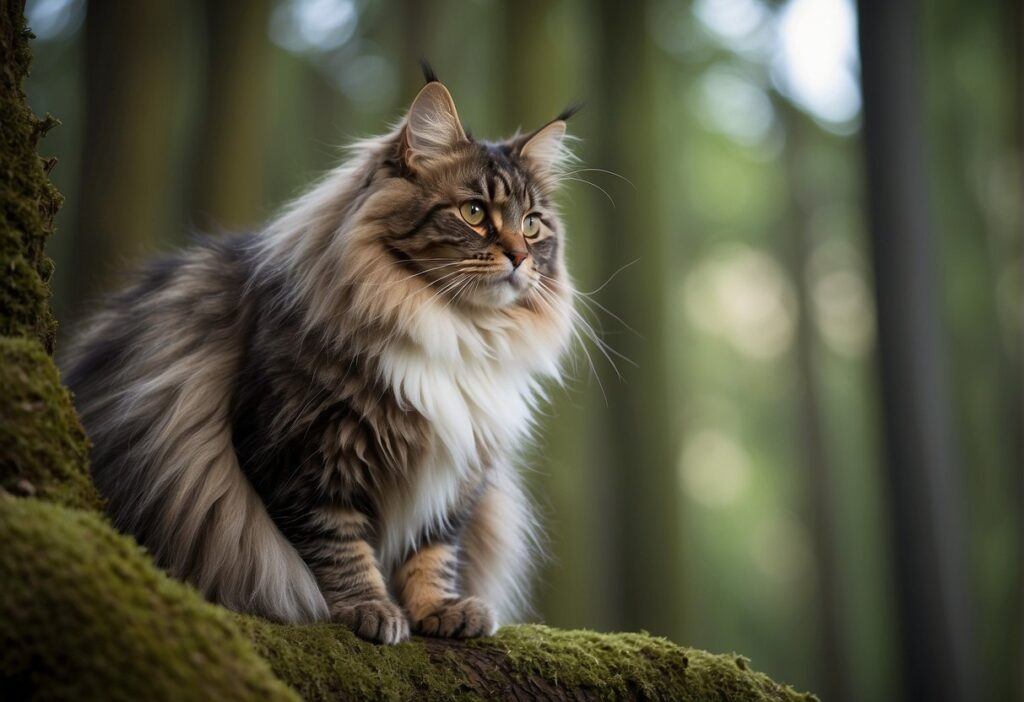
(531, 226)
(473, 212)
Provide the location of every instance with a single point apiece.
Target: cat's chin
(500, 292)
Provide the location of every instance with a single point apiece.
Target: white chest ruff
(477, 411)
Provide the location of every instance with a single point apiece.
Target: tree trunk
(811, 449)
(923, 471)
(132, 58)
(640, 425)
(230, 162)
(576, 587)
(1014, 16)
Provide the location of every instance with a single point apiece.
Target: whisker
(589, 303)
(610, 278)
(593, 185)
(602, 170)
(606, 349)
(582, 344)
(414, 275)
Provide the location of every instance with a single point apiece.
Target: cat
(322, 421)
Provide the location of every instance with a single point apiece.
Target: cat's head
(429, 234)
(477, 221)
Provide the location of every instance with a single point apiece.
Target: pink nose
(516, 257)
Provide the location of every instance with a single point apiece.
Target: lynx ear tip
(569, 111)
(429, 76)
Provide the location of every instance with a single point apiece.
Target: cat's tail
(154, 393)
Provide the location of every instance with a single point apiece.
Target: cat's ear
(432, 126)
(546, 150)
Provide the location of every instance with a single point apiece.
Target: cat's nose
(516, 257)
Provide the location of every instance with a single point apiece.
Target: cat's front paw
(462, 618)
(379, 621)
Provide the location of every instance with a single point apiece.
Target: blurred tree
(812, 447)
(929, 531)
(537, 80)
(968, 58)
(1013, 21)
(132, 69)
(415, 19)
(640, 428)
(230, 160)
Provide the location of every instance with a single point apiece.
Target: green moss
(28, 201)
(43, 450)
(728, 677)
(611, 665)
(85, 616)
(615, 666)
(328, 662)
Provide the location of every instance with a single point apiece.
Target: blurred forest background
(811, 233)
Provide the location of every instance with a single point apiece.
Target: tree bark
(29, 201)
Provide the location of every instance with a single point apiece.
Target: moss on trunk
(84, 613)
(43, 449)
(28, 201)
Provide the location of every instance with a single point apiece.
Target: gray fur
(275, 416)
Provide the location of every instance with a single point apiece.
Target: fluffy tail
(153, 381)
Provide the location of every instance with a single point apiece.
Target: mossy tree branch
(84, 613)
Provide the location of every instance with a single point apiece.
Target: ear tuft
(569, 111)
(428, 72)
(432, 126)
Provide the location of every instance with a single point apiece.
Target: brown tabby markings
(321, 421)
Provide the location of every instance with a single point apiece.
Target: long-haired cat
(321, 421)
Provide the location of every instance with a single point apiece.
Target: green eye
(473, 212)
(531, 226)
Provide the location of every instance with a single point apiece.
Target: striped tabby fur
(321, 420)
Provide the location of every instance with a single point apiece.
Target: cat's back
(159, 301)
(148, 338)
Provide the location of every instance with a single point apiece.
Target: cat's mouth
(502, 288)
(515, 278)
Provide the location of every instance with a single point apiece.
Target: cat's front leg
(349, 575)
(427, 586)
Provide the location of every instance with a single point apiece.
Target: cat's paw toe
(378, 621)
(463, 618)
